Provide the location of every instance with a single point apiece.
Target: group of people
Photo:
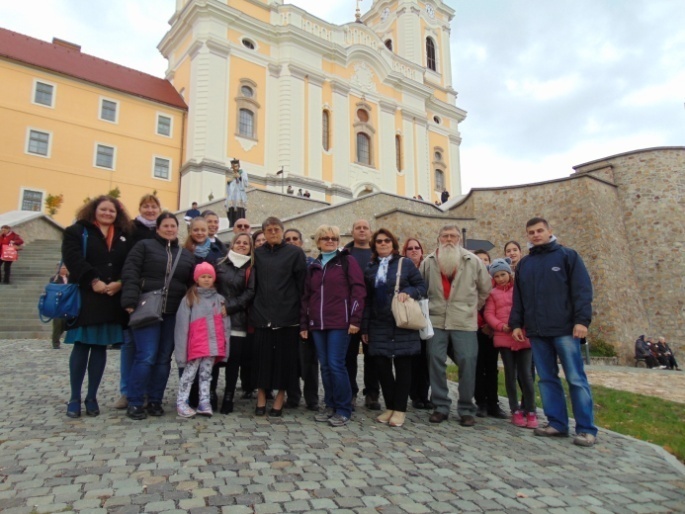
(270, 315)
(656, 354)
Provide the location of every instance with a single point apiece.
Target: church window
(247, 109)
(246, 124)
(363, 148)
(246, 91)
(439, 180)
(365, 133)
(326, 130)
(363, 115)
(431, 62)
(248, 44)
(398, 152)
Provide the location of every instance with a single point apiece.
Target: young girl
(201, 338)
(517, 357)
(200, 243)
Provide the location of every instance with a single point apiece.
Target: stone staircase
(19, 300)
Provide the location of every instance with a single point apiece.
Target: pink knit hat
(204, 268)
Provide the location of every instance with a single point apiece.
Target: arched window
(325, 129)
(430, 54)
(388, 44)
(398, 152)
(246, 124)
(363, 148)
(439, 180)
(247, 108)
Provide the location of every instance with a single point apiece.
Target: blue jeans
(567, 349)
(128, 352)
(154, 345)
(331, 347)
(464, 344)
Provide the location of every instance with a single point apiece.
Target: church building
(338, 110)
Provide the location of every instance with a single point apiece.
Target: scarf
(382, 273)
(202, 250)
(327, 256)
(109, 238)
(148, 223)
(238, 259)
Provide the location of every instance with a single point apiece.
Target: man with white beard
(458, 285)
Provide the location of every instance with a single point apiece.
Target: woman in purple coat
(332, 308)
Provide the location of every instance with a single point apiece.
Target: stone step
(26, 334)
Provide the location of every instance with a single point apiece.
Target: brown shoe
(467, 421)
(121, 403)
(397, 419)
(385, 417)
(437, 417)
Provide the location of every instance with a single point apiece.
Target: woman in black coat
(235, 280)
(389, 345)
(94, 250)
(147, 268)
(144, 227)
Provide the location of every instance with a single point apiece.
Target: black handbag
(150, 304)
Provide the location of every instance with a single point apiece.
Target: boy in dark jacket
(553, 302)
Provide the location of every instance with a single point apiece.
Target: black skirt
(276, 358)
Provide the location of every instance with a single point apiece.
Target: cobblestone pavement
(239, 463)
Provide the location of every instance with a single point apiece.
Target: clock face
(385, 14)
(430, 11)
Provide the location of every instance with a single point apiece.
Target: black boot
(213, 399)
(227, 404)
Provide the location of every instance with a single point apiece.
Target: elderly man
(241, 226)
(553, 302)
(308, 363)
(458, 285)
(280, 271)
(360, 249)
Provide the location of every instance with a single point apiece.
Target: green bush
(600, 348)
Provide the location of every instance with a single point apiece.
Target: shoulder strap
(397, 278)
(173, 269)
(84, 239)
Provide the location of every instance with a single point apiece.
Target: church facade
(336, 110)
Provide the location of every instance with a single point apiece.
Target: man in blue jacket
(553, 302)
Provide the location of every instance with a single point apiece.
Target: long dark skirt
(276, 358)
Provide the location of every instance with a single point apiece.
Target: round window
(246, 91)
(362, 115)
(437, 119)
(248, 44)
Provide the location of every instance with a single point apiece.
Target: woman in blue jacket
(388, 344)
(332, 307)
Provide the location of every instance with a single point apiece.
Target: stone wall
(651, 195)
(38, 228)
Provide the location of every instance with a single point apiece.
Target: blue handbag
(61, 300)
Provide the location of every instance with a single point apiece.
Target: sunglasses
(411, 248)
(243, 226)
(328, 239)
(387, 240)
(291, 239)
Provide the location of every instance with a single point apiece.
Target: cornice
(387, 107)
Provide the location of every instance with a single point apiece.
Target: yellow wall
(259, 12)
(237, 38)
(75, 126)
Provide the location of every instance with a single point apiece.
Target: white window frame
(35, 90)
(95, 156)
(104, 99)
(35, 190)
(171, 124)
(28, 142)
(154, 163)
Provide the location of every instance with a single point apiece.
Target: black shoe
(276, 413)
(497, 412)
(56, 346)
(313, 406)
(227, 404)
(482, 412)
(155, 409)
(213, 399)
(292, 404)
(74, 409)
(437, 417)
(136, 412)
(467, 421)
(260, 411)
(92, 407)
(371, 402)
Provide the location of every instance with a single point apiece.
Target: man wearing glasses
(241, 226)
(458, 285)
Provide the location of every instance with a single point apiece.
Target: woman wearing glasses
(332, 308)
(420, 382)
(389, 345)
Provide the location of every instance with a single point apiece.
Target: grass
(648, 418)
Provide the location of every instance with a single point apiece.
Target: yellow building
(76, 125)
(343, 110)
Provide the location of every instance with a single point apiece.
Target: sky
(547, 85)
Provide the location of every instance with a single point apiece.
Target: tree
(53, 203)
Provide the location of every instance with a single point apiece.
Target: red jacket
(10, 238)
(497, 309)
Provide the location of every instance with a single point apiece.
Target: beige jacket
(470, 290)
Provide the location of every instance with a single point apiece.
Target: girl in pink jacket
(201, 338)
(517, 357)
